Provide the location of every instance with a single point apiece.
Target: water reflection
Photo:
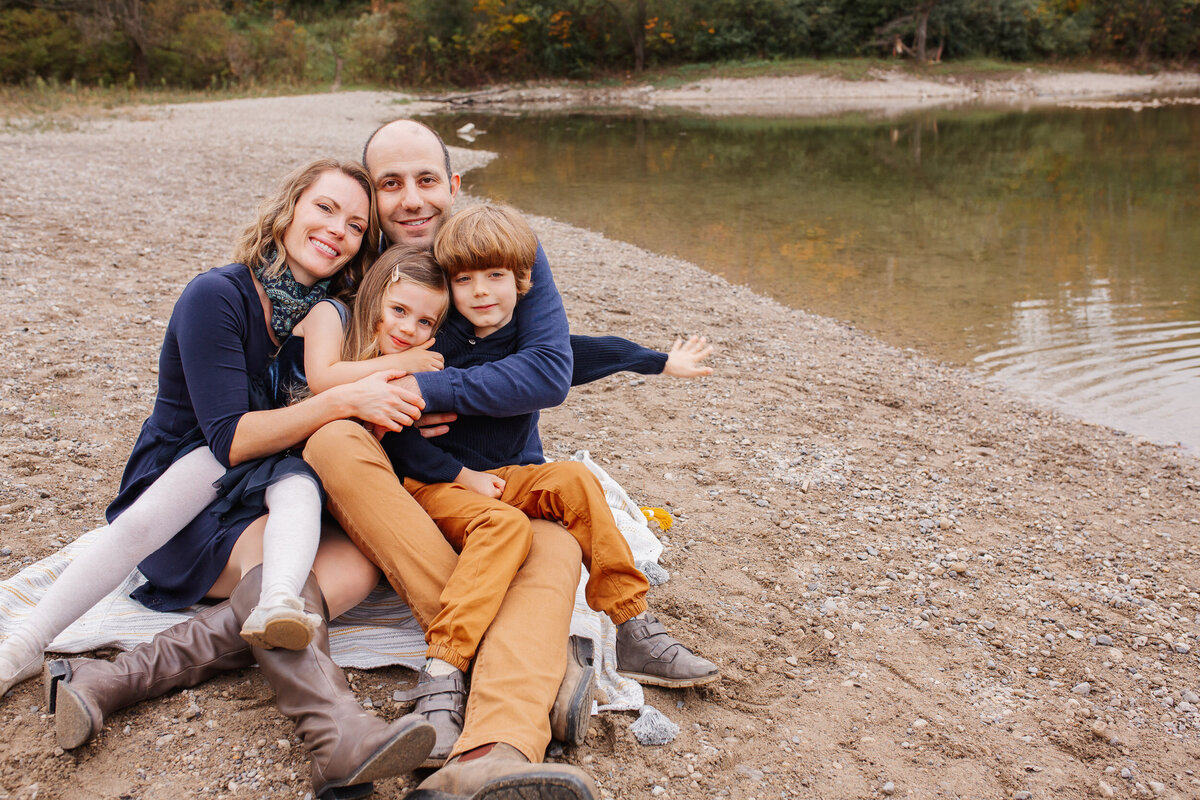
(1056, 249)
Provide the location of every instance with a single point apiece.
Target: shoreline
(885, 92)
(907, 576)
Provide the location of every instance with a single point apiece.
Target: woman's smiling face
(327, 227)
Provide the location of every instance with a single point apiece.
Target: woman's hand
(376, 400)
(683, 361)
(484, 483)
(418, 358)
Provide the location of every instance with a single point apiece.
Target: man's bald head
(401, 129)
(414, 187)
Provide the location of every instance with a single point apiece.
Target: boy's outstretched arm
(600, 356)
(536, 376)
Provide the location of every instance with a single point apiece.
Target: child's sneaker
(650, 655)
(283, 624)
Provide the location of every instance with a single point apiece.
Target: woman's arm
(207, 326)
(323, 365)
(372, 399)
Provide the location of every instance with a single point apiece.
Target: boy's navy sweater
(486, 442)
(536, 376)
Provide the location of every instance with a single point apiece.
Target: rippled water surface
(1057, 250)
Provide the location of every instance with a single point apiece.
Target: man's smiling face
(413, 192)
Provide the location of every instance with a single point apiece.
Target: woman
(221, 338)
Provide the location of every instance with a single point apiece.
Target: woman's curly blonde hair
(261, 244)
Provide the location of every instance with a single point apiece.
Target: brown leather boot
(345, 744)
(80, 692)
(572, 709)
(500, 772)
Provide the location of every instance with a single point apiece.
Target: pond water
(1056, 250)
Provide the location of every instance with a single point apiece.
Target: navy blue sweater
(482, 442)
(536, 376)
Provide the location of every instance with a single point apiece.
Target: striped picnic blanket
(379, 632)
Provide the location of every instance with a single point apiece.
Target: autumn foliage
(203, 43)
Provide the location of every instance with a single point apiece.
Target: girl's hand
(683, 361)
(418, 358)
(484, 483)
(376, 400)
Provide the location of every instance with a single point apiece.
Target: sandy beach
(916, 584)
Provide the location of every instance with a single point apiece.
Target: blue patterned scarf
(290, 300)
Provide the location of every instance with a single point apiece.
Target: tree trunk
(639, 36)
(923, 12)
(141, 65)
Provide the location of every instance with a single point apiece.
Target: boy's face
(486, 297)
(410, 315)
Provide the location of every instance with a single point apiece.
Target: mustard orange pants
(523, 656)
(493, 537)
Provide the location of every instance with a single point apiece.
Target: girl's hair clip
(395, 273)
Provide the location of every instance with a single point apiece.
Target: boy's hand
(683, 361)
(484, 483)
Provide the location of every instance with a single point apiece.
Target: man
(521, 661)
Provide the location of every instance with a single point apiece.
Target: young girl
(395, 310)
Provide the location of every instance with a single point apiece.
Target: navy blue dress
(213, 369)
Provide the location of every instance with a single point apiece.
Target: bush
(37, 44)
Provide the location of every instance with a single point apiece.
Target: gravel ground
(916, 584)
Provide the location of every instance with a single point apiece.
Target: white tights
(167, 505)
(291, 537)
(290, 542)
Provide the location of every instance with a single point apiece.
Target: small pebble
(888, 788)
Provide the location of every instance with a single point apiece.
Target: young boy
(472, 483)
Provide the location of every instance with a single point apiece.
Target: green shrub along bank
(231, 43)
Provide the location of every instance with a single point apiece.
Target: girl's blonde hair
(397, 263)
(261, 244)
(487, 236)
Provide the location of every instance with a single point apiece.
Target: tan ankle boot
(80, 692)
(345, 744)
(501, 772)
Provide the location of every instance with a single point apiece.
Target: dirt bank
(885, 91)
(916, 585)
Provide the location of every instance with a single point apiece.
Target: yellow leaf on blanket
(659, 515)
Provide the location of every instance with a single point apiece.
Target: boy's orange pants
(523, 656)
(493, 537)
